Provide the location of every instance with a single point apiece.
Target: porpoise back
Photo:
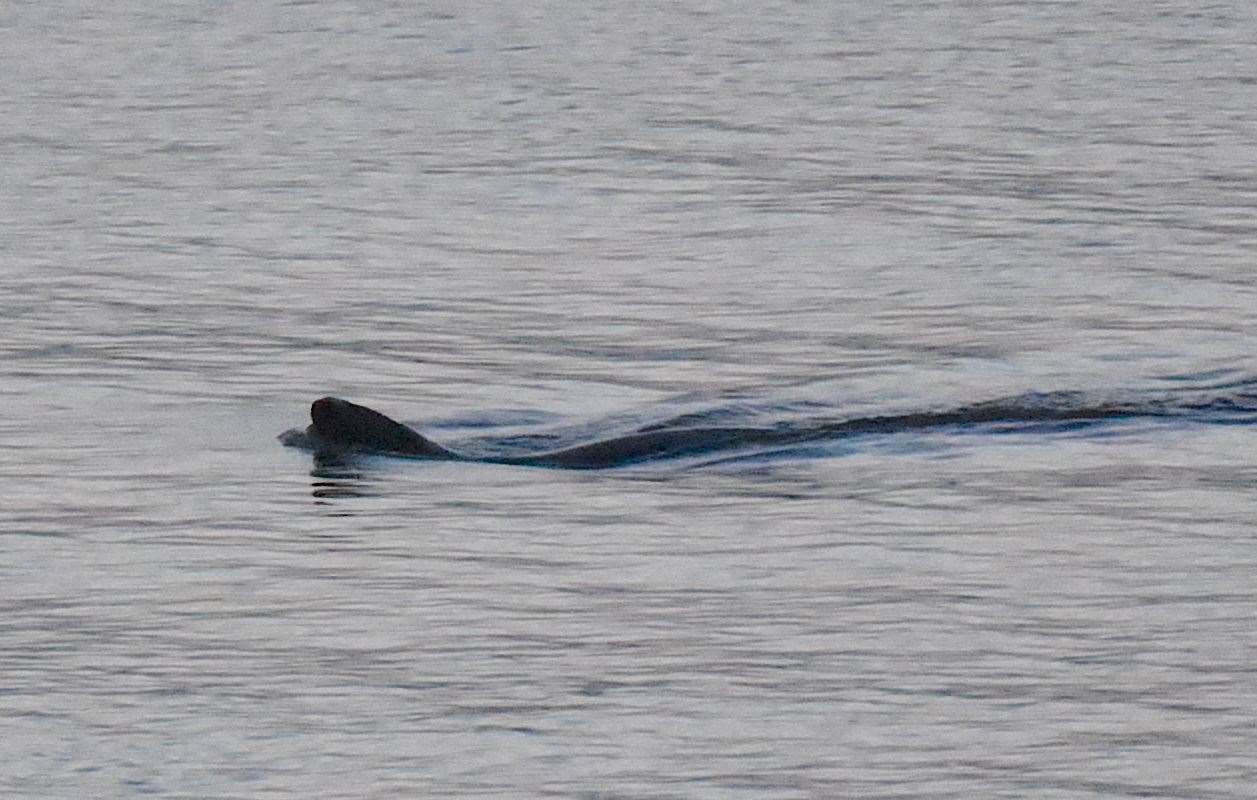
(351, 426)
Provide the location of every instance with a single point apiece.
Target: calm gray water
(547, 223)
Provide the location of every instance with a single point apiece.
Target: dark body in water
(339, 427)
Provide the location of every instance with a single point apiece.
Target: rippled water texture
(532, 225)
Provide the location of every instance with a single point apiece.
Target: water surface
(532, 225)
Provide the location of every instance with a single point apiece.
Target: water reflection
(336, 478)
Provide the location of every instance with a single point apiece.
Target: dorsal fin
(351, 425)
